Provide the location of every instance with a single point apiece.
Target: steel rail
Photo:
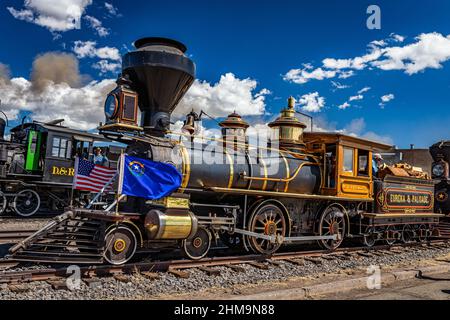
(164, 266)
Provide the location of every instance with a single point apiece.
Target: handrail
(297, 171)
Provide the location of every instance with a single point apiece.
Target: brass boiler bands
(271, 170)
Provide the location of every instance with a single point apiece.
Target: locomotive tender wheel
(268, 220)
(390, 235)
(370, 238)
(408, 234)
(120, 245)
(26, 203)
(198, 247)
(332, 222)
(422, 233)
(3, 203)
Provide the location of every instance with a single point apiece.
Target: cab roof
(347, 140)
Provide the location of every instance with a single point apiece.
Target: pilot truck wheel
(198, 247)
(26, 203)
(120, 245)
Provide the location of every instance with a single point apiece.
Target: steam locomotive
(297, 187)
(37, 166)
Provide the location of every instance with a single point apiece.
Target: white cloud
(301, 76)
(363, 90)
(113, 11)
(344, 106)
(58, 101)
(312, 102)
(105, 66)
(356, 98)
(220, 99)
(339, 86)
(429, 50)
(387, 97)
(89, 49)
(55, 15)
(97, 25)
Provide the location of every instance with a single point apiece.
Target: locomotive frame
(323, 188)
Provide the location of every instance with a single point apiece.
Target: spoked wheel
(422, 233)
(370, 237)
(267, 220)
(26, 203)
(408, 234)
(198, 247)
(120, 245)
(332, 222)
(3, 203)
(390, 240)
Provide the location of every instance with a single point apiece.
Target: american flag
(92, 177)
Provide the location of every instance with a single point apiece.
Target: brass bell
(189, 123)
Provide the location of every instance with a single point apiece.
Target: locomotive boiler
(295, 187)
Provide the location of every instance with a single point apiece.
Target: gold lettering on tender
(55, 171)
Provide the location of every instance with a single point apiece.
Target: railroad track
(178, 267)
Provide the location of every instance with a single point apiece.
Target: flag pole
(119, 195)
(74, 180)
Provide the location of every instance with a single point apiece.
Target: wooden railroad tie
(365, 254)
(298, 262)
(178, 273)
(236, 268)
(92, 283)
(313, 260)
(150, 275)
(18, 288)
(122, 278)
(58, 284)
(259, 265)
(210, 271)
(274, 262)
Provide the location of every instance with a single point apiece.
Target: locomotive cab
(347, 163)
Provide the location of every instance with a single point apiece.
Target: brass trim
(284, 179)
(186, 167)
(230, 179)
(264, 186)
(288, 172)
(133, 95)
(400, 215)
(123, 125)
(285, 195)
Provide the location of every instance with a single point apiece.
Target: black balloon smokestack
(161, 74)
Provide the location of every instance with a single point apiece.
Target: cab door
(355, 171)
(33, 151)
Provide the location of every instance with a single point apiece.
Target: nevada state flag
(147, 179)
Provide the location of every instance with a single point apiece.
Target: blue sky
(264, 45)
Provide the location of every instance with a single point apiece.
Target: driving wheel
(332, 222)
(267, 220)
(26, 203)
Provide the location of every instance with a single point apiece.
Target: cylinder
(170, 225)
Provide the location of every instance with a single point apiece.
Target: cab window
(348, 161)
(60, 147)
(363, 163)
